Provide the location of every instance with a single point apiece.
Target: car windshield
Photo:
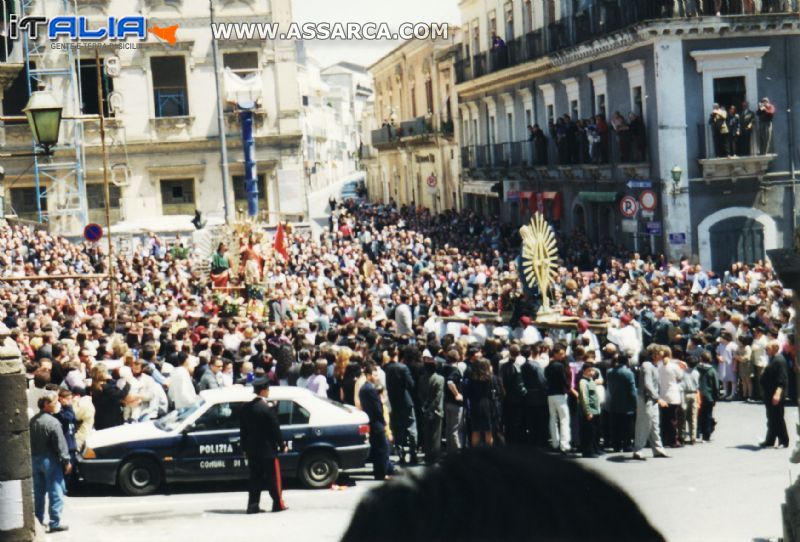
(175, 419)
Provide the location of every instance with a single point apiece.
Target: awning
(598, 197)
(479, 188)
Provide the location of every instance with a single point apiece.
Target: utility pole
(223, 140)
(17, 522)
(106, 192)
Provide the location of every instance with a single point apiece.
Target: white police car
(201, 442)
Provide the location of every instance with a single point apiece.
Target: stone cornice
(634, 37)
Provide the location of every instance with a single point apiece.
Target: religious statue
(539, 254)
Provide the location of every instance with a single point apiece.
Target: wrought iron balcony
(410, 131)
(583, 27)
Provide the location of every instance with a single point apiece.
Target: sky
(392, 12)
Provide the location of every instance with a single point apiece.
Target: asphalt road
(727, 490)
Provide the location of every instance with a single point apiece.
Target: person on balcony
(499, 59)
(667, 8)
(688, 8)
(583, 141)
(765, 114)
(539, 145)
(638, 137)
(602, 131)
(747, 120)
(572, 140)
(719, 131)
(562, 144)
(594, 141)
(622, 130)
(733, 130)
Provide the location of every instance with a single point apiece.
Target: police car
(202, 442)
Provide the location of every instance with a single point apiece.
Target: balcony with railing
(411, 131)
(548, 162)
(585, 26)
(732, 159)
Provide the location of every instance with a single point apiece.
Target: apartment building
(413, 157)
(162, 130)
(597, 114)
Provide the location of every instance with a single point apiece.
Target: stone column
(671, 150)
(16, 487)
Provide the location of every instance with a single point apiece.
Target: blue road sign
(633, 183)
(677, 238)
(653, 228)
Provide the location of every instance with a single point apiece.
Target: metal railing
(420, 126)
(588, 25)
(524, 154)
(171, 102)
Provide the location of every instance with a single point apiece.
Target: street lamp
(677, 174)
(44, 118)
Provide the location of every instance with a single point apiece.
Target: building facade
(330, 132)
(162, 130)
(352, 96)
(413, 155)
(591, 111)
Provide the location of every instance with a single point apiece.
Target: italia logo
(78, 28)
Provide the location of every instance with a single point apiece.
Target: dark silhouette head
(500, 495)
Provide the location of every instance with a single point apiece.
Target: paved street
(727, 491)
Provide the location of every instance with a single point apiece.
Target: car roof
(245, 393)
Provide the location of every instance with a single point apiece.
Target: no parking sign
(628, 206)
(93, 232)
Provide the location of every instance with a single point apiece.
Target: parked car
(202, 442)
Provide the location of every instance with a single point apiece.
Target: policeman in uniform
(261, 441)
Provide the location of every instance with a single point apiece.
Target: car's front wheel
(318, 469)
(139, 476)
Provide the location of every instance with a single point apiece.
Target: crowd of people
(422, 321)
(732, 130)
(587, 141)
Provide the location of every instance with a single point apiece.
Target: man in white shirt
(181, 387)
(154, 403)
(726, 355)
(626, 337)
(526, 332)
(402, 317)
(478, 330)
(760, 356)
(594, 345)
(670, 375)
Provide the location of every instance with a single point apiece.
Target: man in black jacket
(535, 412)
(400, 387)
(373, 407)
(261, 439)
(514, 397)
(774, 381)
(558, 386)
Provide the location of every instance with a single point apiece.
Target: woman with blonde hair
(339, 368)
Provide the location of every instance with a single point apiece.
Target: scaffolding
(61, 176)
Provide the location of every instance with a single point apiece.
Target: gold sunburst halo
(539, 255)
